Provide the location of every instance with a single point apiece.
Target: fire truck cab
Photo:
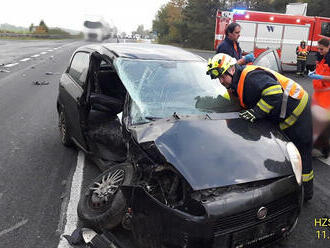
(282, 32)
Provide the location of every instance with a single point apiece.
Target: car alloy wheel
(65, 137)
(103, 205)
(104, 190)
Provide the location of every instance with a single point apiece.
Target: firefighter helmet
(219, 64)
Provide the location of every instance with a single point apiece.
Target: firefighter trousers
(301, 134)
(301, 65)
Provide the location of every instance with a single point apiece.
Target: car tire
(105, 211)
(63, 128)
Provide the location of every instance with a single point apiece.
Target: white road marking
(26, 59)
(10, 65)
(71, 213)
(36, 55)
(50, 50)
(43, 52)
(18, 225)
(325, 160)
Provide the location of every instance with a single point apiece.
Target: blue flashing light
(239, 11)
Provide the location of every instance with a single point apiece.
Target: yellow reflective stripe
(308, 177)
(264, 106)
(272, 90)
(295, 114)
(226, 96)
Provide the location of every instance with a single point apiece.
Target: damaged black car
(180, 169)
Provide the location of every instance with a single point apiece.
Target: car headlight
(295, 160)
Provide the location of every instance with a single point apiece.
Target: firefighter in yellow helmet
(264, 93)
(302, 53)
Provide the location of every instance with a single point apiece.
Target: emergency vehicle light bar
(239, 11)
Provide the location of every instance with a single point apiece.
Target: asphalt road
(36, 170)
(34, 167)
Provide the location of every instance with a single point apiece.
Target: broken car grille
(249, 217)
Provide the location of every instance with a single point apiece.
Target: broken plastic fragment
(40, 83)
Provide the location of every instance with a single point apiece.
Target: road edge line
(71, 217)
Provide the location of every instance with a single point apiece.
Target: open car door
(269, 59)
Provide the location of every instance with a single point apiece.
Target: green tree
(160, 25)
(43, 25)
(140, 30)
(169, 24)
(31, 27)
(199, 18)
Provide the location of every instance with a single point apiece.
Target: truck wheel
(64, 132)
(102, 205)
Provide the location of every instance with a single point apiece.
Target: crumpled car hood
(216, 153)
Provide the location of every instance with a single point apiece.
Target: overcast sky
(126, 15)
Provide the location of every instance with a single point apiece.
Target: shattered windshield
(159, 88)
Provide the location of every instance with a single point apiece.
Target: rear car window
(79, 67)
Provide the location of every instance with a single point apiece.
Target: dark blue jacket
(255, 82)
(227, 47)
(327, 58)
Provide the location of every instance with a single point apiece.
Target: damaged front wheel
(103, 205)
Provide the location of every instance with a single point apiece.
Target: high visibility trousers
(301, 134)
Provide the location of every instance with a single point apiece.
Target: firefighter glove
(248, 115)
(249, 58)
(312, 75)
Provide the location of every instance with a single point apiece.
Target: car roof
(144, 51)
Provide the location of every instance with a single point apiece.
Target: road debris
(4, 70)
(52, 73)
(85, 236)
(40, 83)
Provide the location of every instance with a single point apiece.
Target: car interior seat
(111, 95)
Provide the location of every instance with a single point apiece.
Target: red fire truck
(281, 32)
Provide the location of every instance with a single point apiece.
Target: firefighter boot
(308, 190)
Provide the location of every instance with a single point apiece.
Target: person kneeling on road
(264, 93)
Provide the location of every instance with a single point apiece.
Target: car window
(89, 24)
(269, 59)
(325, 29)
(160, 88)
(79, 67)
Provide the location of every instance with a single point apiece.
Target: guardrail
(40, 36)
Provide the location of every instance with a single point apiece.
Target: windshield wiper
(175, 115)
(152, 118)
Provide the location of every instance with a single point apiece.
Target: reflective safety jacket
(284, 90)
(301, 53)
(321, 94)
